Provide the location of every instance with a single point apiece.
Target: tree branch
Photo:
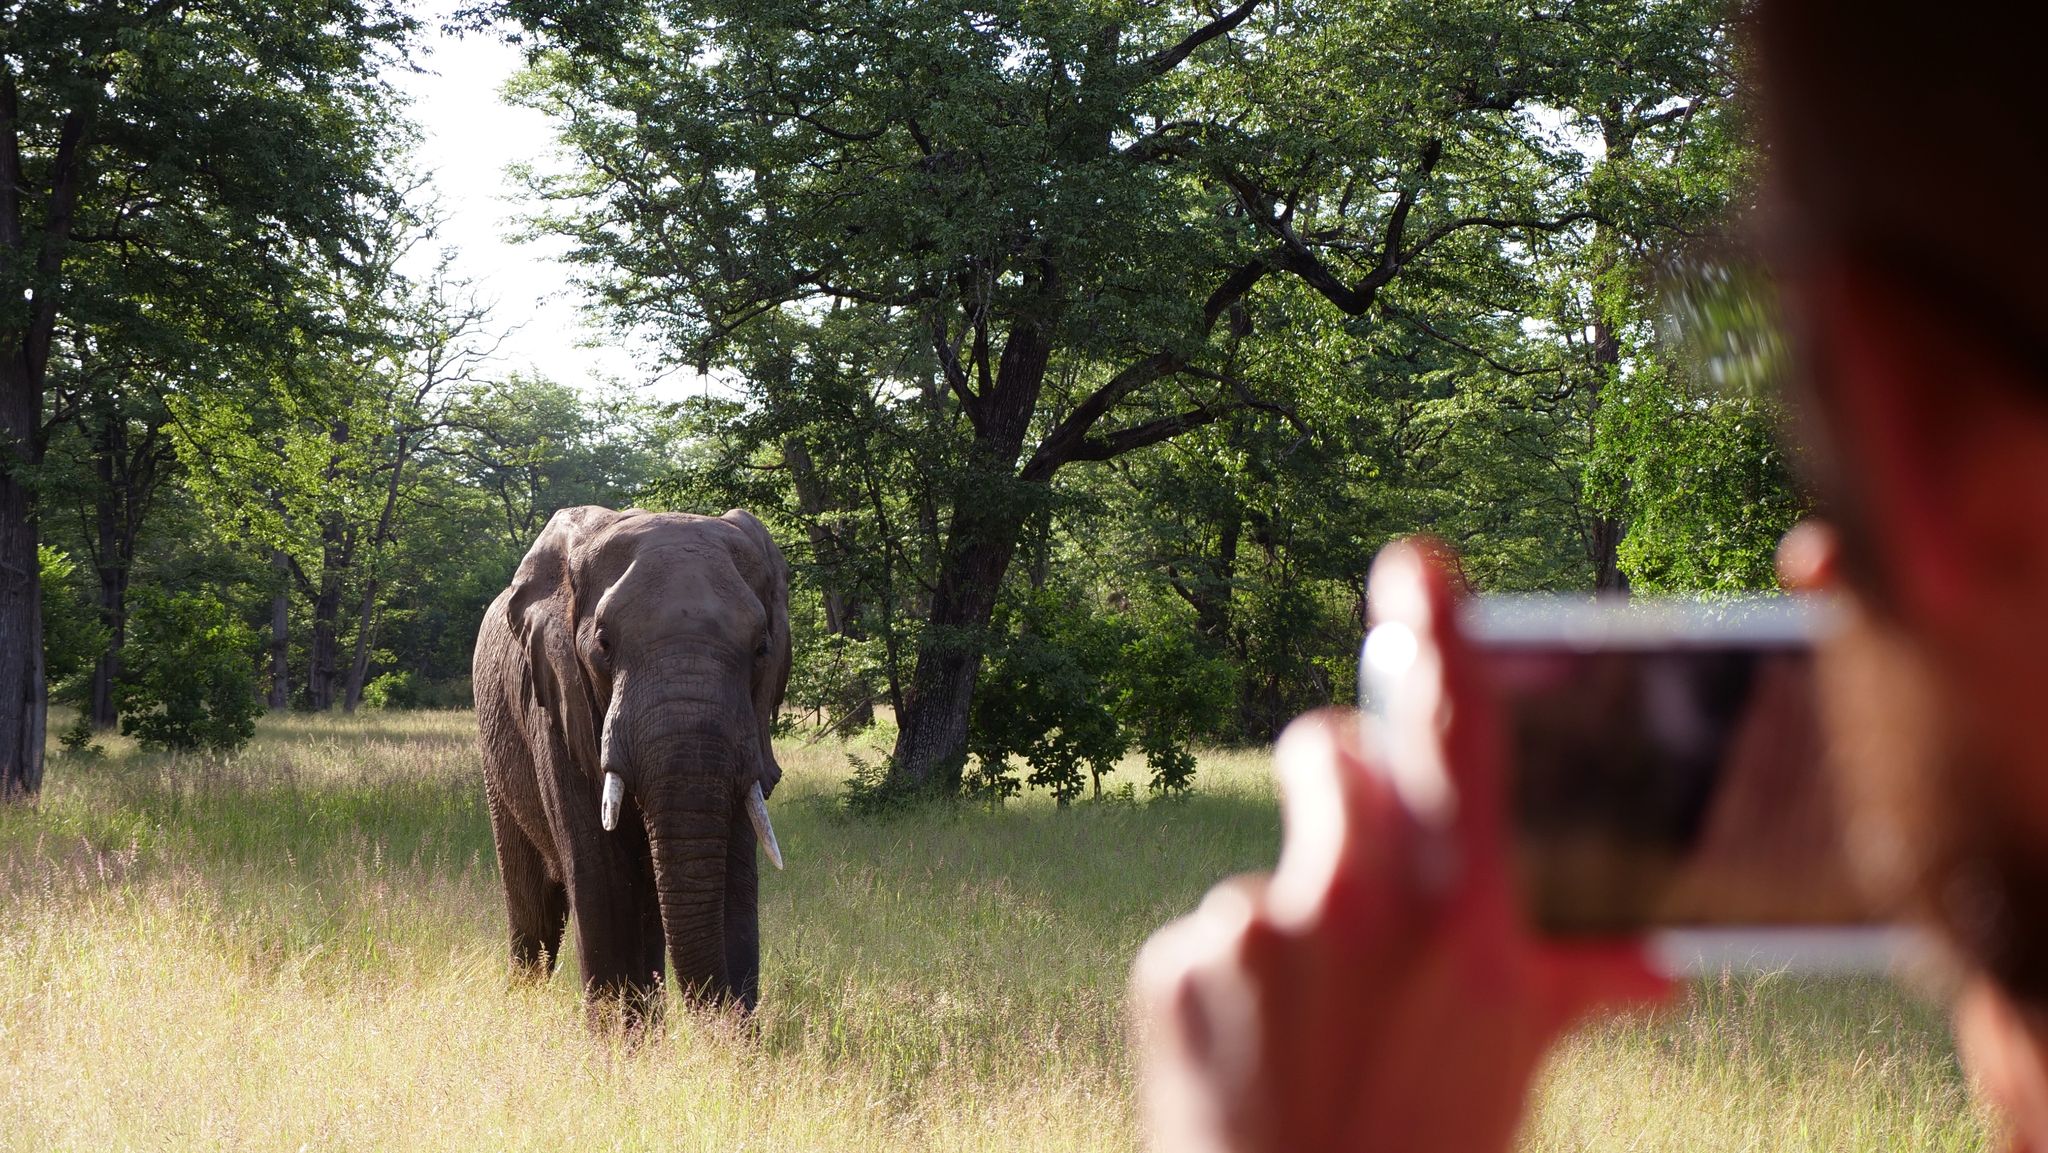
(1163, 62)
(1442, 337)
(67, 180)
(1071, 434)
(1141, 435)
(1504, 223)
(956, 374)
(852, 137)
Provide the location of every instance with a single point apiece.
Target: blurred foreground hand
(1379, 991)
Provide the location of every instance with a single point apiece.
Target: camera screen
(1664, 786)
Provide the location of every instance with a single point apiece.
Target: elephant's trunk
(687, 830)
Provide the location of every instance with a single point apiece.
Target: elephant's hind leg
(536, 904)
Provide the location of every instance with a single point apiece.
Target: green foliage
(1167, 691)
(1692, 445)
(1019, 282)
(73, 636)
(1047, 697)
(1709, 488)
(76, 739)
(1074, 687)
(962, 264)
(188, 683)
(393, 690)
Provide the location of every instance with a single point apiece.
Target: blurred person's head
(1908, 217)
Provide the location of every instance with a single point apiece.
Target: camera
(1665, 774)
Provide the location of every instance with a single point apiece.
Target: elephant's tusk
(757, 812)
(608, 806)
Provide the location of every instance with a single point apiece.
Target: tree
(1081, 210)
(212, 150)
(190, 687)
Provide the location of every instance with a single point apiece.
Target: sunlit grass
(303, 947)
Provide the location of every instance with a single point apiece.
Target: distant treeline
(1080, 355)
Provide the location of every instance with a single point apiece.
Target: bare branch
(1141, 435)
(1165, 61)
(956, 374)
(1070, 434)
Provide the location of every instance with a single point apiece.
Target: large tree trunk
(23, 714)
(280, 634)
(114, 554)
(24, 700)
(988, 519)
(359, 667)
(1605, 530)
(931, 743)
(323, 661)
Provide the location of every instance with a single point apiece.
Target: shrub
(73, 637)
(188, 681)
(393, 690)
(1166, 690)
(1075, 687)
(76, 738)
(1045, 698)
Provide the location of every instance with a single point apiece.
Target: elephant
(626, 683)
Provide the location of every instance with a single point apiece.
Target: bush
(76, 738)
(188, 682)
(393, 690)
(73, 637)
(1075, 687)
(453, 693)
(1045, 698)
(1167, 690)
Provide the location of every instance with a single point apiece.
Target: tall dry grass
(301, 948)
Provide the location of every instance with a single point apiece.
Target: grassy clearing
(302, 948)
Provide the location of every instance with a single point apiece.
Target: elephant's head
(659, 642)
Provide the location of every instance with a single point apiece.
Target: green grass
(302, 947)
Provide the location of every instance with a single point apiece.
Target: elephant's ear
(768, 575)
(543, 614)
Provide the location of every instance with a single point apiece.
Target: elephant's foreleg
(610, 942)
(742, 913)
(536, 905)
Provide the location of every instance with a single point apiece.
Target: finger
(1581, 978)
(1169, 1033)
(1170, 967)
(1444, 732)
(1345, 833)
(1809, 556)
(1195, 988)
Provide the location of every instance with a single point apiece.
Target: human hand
(1380, 990)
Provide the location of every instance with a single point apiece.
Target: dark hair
(1913, 138)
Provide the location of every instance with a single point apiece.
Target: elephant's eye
(604, 643)
(761, 650)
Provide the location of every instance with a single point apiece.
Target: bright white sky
(469, 138)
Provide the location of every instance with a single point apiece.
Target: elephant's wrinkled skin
(654, 646)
